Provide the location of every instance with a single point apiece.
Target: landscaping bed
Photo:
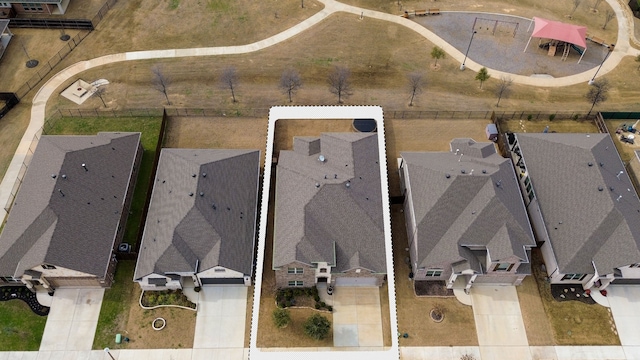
(24, 294)
(168, 297)
(301, 297)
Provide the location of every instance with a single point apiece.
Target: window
(48, 267)
(32, 7)
(574, 276)
(634, 266)
(219, 270)
(323, 270)
(503, 267)
(5, 4)
(295, 271)
(434, 273)
(296, 283)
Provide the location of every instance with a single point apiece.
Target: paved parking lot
(72, 320)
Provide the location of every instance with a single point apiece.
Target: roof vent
(321, 158)
(611, 188)
(190, 194)
(499, 183)
(619, 173)
(53, 176)
(204, 174)
(447, 176)
(600, 188)
(193, 175)
(463, 171)
(64, 176)
(601, 164)
(317, 185)
(335, 176)
(213, 206)
(484, 171)
(348, 184)
(84, 166)
(61, 193)
(619, 197)
(325, 176)
(201, 193)
(590, 164)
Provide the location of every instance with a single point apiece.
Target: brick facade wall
(308, 277)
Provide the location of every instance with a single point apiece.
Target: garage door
(73, 282)
(222, 281)
(356, 281)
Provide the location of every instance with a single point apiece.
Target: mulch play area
(432, 288)
(22, 293)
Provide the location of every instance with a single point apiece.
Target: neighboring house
(8, 8)
(466, 221)
(5, 36)
(328, 212)
(71, 210)
(635, 166)
(582, 205)
(201, 223)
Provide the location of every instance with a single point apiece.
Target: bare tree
(482, 76)
(596, 3)
(437, 53)
(416, 85)
(290, 82)
(100, 91)
(503, 89)
(576, 3)
(339, 83)
(160, 81)
(597, 93)
(608, 16)
(229, 80)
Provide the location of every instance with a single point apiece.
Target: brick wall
(308, 277)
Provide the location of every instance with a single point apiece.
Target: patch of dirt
(178, 333)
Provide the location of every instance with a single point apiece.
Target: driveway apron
(357, 321)
(624, 301)
(220, 320)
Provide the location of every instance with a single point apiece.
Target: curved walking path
(622, 49)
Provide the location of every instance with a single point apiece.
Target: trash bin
(118, 338)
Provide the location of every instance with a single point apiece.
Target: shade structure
(555, 30)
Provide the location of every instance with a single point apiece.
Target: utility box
(492, 132)
(118, 338)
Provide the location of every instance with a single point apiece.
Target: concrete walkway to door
(499, 323)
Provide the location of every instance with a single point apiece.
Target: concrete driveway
(624, 301)
(357, 320)
(220, 320)
(72, 320)
(499, 323)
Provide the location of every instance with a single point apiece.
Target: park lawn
(150, 129)
(20, 328)
(116, 304)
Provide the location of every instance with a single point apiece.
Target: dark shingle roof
(203, 209)
(331, 211)
(457, 203)
(591, 211)
(70, 220)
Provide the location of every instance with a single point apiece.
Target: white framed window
(48, 267)
(296, 283)
(4, 4)
(634, 266)
(219, 270)
(503, 267)
(574, 276)
(32, 7)
(295, 270)
(433, 273)
(323, 270)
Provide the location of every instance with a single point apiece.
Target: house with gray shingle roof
(583, 206)
(71, 210)
(465, 218)
(201, 223)
(328, 225)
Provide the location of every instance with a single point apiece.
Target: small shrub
(575, 117)
(281, 318)
(552, 116)
(317, 327)
(330, 308)
(467, 357)
(316, 297)
(318, 306)
(529, 117)
(151, 299)
(322, 304)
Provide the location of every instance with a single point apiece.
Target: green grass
(219, 5)
(20, 328)
(150, 129)
(115, 306)
(173, 4)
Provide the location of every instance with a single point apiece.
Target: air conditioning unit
(124, 247)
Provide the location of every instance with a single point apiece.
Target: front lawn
(20, 328)
(150, 129)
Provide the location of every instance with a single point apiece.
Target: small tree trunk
(413, 94)
(290, 95)
(167, 97)
(233, 95)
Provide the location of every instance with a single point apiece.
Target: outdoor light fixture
(610, 47)
(467, 53)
